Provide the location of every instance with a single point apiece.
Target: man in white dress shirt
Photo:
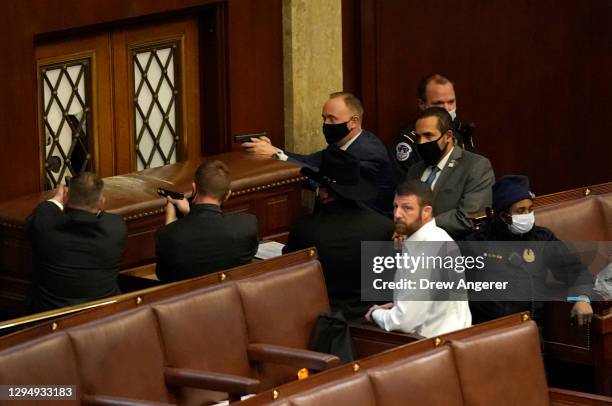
(413, 215)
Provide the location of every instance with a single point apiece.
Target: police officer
(433, 91)
(517, 250)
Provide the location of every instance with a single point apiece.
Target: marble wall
(312, 52)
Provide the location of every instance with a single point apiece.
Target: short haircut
(85, 190)
(212, 179)
(445, 121)
(417, 188)
(436, 78)
(351, 101)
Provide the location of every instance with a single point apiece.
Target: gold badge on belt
(528, 255)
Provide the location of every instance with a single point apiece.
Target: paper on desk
(269, 249)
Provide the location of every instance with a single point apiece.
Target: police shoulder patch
(402, 151)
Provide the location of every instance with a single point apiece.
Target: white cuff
(280, 155)
(58, 204)
(377, 316)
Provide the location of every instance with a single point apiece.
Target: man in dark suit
(77, 251)
(432, 91)
(206, 240)
(342, 120)
(338, 227)
(460, 180)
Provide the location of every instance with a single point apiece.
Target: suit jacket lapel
(455, 158)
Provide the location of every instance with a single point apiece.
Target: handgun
(170, 193)
(240, 138)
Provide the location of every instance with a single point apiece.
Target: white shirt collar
(421, 233)
(444, 160)
(348, 144)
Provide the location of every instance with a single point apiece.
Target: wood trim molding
(572, 194)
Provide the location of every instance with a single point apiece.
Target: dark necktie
(432, 175)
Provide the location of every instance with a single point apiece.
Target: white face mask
(521, 223)
(453, 113)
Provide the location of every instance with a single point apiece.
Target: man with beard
(342, 126)
(338, 227)
(413, 215)
(460, 180)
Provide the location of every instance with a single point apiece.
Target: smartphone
(169, 193)
(240, 138)
(67, 181)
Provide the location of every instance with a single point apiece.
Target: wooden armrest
(278, 354)
(564, 397)
(101, 400)
(365, 328)
(231, 384)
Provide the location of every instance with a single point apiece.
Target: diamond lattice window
(65, 119)
(155, 106)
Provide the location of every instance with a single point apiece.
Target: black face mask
(335, 132)
(430, 151)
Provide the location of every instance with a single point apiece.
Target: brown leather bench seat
(581, 217)
(498, 367)
(586, 219)
(40, 323)
(192, 342)
(242, 334)
(582, 223)
(48, 360)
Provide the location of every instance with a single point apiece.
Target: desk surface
(136, 193)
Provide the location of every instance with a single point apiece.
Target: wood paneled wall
(535, 76)
(254, 69)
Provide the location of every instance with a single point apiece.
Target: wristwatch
(578, 299)
(280, 155)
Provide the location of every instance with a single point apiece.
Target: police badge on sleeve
(402, 151)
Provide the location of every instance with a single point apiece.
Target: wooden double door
(119, 100)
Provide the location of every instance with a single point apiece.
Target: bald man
(342, 127)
